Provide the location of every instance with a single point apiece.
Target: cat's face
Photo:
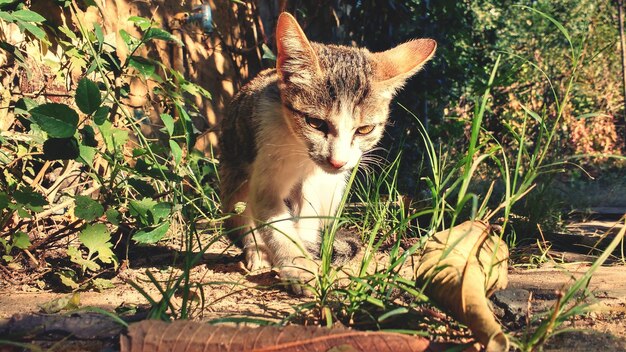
(336, 99)
(338, 113)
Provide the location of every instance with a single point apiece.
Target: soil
(231, 292)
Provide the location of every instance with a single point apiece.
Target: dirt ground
(230, 291)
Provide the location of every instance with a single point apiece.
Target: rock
(514, 304)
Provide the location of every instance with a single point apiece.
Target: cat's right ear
(296, 61)
(392, 68)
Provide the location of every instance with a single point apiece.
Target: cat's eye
(318, 124)
(363, 130)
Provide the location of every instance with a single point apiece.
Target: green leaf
(194, 89)
(34, 30)
(87, 208)
(140, 208)
(137, 152)
(160, 34)
(21, 240)
(26, 104)
(61, 149)
(189, 135)
(152, 236)
(58, 120)
(68, 32)
(97, 239)
(4, 201)
(267, 53)
(144, 188)
(88, 96)
(113, 216)
(177, 152)
(126, 310)
(100, 284)
(5, 16)
(144, 66)
(119, 137)
(128, 39)
(114, 138)
(77, 257)
(97, 29)
(15, 52)
(87, 154)
(160, 211)
(532, 114)
(155, 170)
(168, 122)
(29, 199)
(95, 236)
(28, 16)
(101, 115)
(141, 22)
(393, 312)
(67, 279)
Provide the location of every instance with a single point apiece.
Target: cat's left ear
(295, 60)
(393, 67)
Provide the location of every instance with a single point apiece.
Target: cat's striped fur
(292, 135)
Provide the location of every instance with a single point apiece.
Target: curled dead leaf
(154, 336)
(459, 268)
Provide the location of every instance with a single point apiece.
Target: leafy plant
(86, 152)
(19, 240)
(26, 20)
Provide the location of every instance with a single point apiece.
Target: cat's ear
(296, 61)
(393, 67)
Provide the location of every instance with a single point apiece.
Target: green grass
(486, 180)
(381, 218)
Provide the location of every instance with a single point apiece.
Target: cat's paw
(256, 260)
(299, 273)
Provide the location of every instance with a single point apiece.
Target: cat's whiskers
(370, 162)
(375, 149)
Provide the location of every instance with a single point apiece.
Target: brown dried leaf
(461, 267)
(187, 336)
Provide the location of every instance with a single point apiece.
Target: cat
(291, 137)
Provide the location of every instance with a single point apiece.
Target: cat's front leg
(255, 251)
(299, 273)
(289, 255)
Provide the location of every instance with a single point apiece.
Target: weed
(83, 165)
(571, 303)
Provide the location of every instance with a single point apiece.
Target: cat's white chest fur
(285, 172)
(321, 195)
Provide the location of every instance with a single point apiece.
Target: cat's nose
(337, 164)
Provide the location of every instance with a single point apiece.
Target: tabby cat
(291, 137)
